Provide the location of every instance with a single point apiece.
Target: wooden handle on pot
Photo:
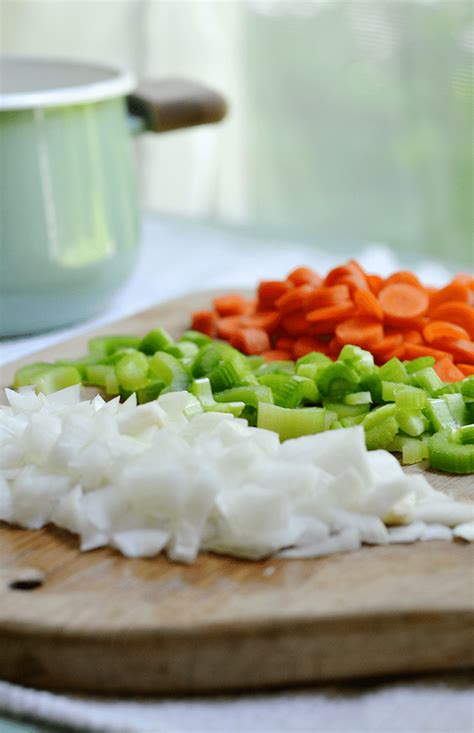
(171, 104)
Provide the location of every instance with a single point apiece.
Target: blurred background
(351, 121)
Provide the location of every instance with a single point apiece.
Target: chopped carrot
(205, 322)
(285, 343)
(334, 347)
(304, 276)
(295, 324)
(436, 330)
(232, 304)
(294, 299)
(306, 344)
(455, 291)
(447, 371)
(466, 369)
(413, 351)
(388, 343)
(270, 290)
(331, 313)
(228, 325)
(268, 320)
(251, 340)
(322, 297)
(375, 283)
(354, 282)
(277, 355)
(456, 312)
(368, 304)
(408, 334)
(402, 301)
(360, 331)
(404, 276)
(461, 349)
(464, 279)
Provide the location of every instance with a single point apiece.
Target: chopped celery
(413, 450)
(231, 372)
(103, 346)
(335, 425)
(394, 371)
(156, 340)
(380, 435)
(421, 363)
(428, 379)
(276, 367)
(150, 392)
(412, 422)
(457, 408)
(389, 389)
(467, 386)
(446, 454)
(379, 415)
(209, 357)
(254, 361)
(450, 388)
(195, 337)
(183, 350)
(102, 375)
(373, 383)
(235, 408)
(351, 420)
(310, 371)
(288, 391)
(249, 395)
(439, 414)
(410, 398)
(466, 434)
(290, 423)
(362, 361)
(343, 410)
(330, 418)
(169, 370)
(57, 378)
(337, 380)
(314, 357)
(358, 398)
(28, 375)
(201, 388)
(132, 371)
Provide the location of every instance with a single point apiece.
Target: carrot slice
(250, 340)
(360, 331)
(456, 312)
(325, 296)
(447, 371)
(455, 291)
(270, 290)
(295, 324)
(375, 283)
(466, 369)
(388, 343)
(436, 330)
(402, 301)
(461, 349)
(334, 347)
(228, 325)
(232, 304)
(413, 351)
(306, 344)
(277, 355)
(205, 322)
(294, 299)
(404, 276)
(304, 276)
(268, 320)
(464, 279)
(284, 343)
(408, 334)
(331, 313)
(368, 304)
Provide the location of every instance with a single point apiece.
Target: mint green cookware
(68, 205)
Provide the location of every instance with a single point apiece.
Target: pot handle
(171, 104)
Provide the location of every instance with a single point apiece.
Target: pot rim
(77, 82)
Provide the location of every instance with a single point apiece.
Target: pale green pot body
(68, 213)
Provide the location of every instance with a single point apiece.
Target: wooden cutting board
(97, 621)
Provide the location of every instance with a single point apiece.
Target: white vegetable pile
(165, 476)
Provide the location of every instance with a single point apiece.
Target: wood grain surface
(99, 622)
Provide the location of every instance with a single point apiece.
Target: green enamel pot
(68, 201)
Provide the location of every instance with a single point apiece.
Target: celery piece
(374, 384)
(357, 398)
(466, 434)
(335, 425)
(156, 340)
(380, 435)
(379, 415)
(457, 408)
(210, 355)
(439, 414)
(250, 414)
(394, 371)
(343, 410)
(446, 454)
(362, 361)
(201, 388)
(428, 379)
(330, 418)
(249, 395)
(102, 375)
(310, 371)
(290, 423)
(195, 337)
(414, 450)
(337, 380)
(276, 367)
(112, 386)
(467, 386)
(28, 375)
(183, 350)
(413, 423)
(450, 388)
(314, 357)
(132, 371)
(410, 398)
(310, 390)
(150, 392)
(230, 372)
(234, 408)
(288, 390)
(421, 363)
(103, 346)
(169, 370)
(351, 420)
(389, 390)
(254, 361)
(59, 377)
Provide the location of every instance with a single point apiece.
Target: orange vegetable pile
(395, 316)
